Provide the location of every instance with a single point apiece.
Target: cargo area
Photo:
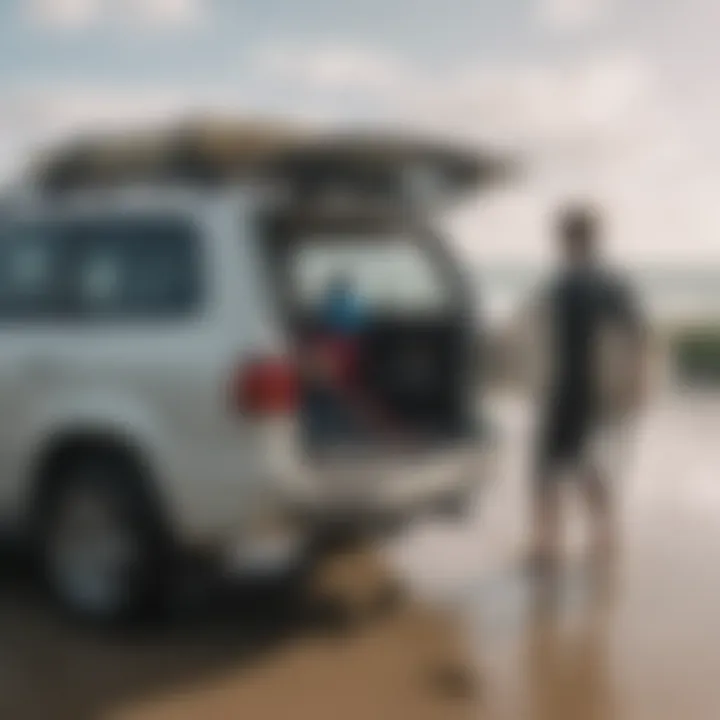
(417, 341)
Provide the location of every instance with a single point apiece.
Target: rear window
(392, 273)
(135, 268)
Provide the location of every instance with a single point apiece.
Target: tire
(102, 553)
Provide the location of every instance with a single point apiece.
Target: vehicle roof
(131, 198)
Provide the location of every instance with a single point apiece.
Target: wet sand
(637, 640)
(340, 653)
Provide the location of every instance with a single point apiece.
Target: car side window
(136, 268)
(30, 272)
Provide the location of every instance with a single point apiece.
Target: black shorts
(563, 436)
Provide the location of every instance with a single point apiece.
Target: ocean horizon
(670, 294)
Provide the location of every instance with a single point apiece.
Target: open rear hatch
(361, 216)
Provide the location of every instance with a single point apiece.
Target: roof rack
(211, 152)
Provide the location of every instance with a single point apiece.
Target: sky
(607, 101)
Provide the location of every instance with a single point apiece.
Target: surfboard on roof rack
(308, 163)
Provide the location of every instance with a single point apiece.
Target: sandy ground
(222, 655)
(639, 640)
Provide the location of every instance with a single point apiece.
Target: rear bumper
(345, 500)
(381, 492)
(345, 495)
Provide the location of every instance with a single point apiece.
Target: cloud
(165, 14)
(541, 107)
(332, 67)
(566, 16)
(599, 127)
(65, 14)
(77, 15)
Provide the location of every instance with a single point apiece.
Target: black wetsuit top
(582, 299)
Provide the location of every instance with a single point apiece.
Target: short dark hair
(578, 228)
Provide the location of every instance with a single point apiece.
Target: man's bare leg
(546, 522)
(602, 513)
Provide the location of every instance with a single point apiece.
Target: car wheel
(102, 555)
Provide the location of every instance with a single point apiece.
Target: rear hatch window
(389, 272)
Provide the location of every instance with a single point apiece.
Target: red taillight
(267, 386)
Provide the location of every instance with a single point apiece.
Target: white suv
(149, 395)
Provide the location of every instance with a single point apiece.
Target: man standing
(593, 378)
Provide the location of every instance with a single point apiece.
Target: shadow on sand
(51, 668)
